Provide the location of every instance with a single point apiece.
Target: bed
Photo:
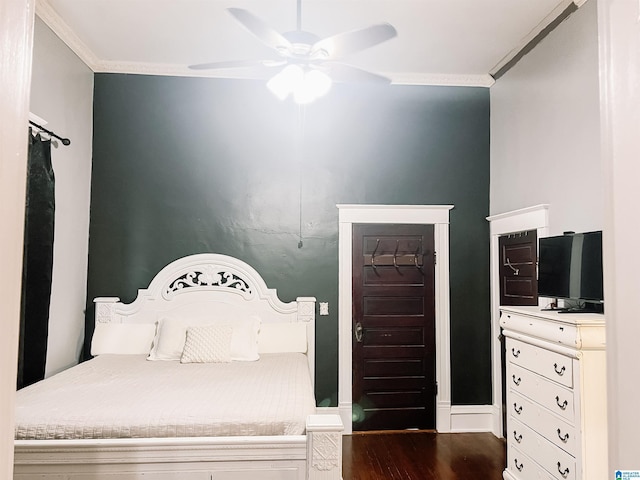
(206, 375)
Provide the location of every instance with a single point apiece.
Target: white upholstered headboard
(210, 284)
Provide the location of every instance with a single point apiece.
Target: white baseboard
(497, 421)
(443, 417)
(327, 410)
(345, 412)
(451, 418)
(472, 418)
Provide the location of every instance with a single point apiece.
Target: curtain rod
(65, 141)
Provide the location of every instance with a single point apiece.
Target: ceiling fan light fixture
(285, 81)
(303, 94)
(305, 85)
(319, 83)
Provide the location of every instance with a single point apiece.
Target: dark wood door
(518, 285)
(394, 385)
(518, 268)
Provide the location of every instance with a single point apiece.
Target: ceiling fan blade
(237, 64)
(342, 44)
(262, 31)
(340, 72)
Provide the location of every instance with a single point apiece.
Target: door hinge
(435, 258)
(436, 389)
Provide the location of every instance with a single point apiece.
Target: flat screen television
(570, 268)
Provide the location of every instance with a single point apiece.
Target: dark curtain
(37, 262)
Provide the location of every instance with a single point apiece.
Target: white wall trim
(397, 78)
(16, 25)
(619, 48)
(530, 218)
(50, 17)
(437, 215)
(472, 418)
(327, 410)
(544, 23)
(441, 79)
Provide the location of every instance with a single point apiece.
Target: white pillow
(207, 343)
(122, 338)
(283, 337)
(171, 335)
(244, 341)
(168, 342)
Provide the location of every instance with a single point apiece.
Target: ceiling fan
(306, 65)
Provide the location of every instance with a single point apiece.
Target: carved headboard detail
(209, 284)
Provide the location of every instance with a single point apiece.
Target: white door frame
(436, 215)
(531, 218)
(16, 25)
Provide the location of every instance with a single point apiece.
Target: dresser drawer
(551, 365)
(550, 426)
(520, 466)
(553, 459)
(557, 398)
(555, 331)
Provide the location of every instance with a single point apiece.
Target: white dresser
(556, 395)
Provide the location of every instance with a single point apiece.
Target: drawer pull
(518, 409)
(564, 472)
(516, 380)
(564, 437)
(516, 437)
(559, 372)
(563, 405)
(518, 467)
(515, 353)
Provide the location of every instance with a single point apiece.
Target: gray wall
(62, 94)
(190, 165)
(545, 129)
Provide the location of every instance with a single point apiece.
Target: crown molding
(139, 68)
(172, 70)
(536, 35)
(485, 81)
(50, 17)
(441, 79)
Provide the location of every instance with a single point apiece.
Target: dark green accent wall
(192, 165)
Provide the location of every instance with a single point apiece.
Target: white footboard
(324, 447)
(315, 456)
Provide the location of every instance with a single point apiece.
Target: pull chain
(299, 143)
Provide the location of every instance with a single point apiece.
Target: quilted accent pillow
(207, 344)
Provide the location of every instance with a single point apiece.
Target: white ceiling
(458, 42)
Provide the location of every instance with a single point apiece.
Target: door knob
(358, 332)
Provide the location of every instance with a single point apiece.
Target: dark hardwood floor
(423, 456)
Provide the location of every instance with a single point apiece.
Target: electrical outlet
(324, 308)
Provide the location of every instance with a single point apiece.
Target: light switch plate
(324, 308)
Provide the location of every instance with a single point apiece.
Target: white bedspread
(126, 396)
